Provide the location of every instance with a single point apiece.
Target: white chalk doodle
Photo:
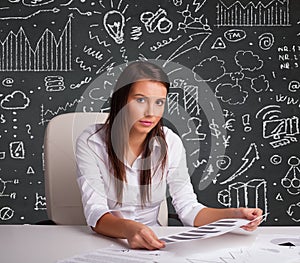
(30, 170)
(224, 91)
(275, 13)
(191, 99)
(203, 69)
(260, 84)
(8, 82)
(275, 159)
(164, 43)
(282, 130)
(3, 188)
(249, 158)
(136, 33)
(81, 64)
(2, 119)
(86, 80)
(47, 115)
(215, 129)
(228, 125)
(246, 122)
(195, 40)
(35, 3)
(198, 4)
(294, 86)
(26, 17)
(193, 23)
(88, 13)
(40, 202)
(173, 103)
(15, 101)
(17, 150)
(235, 35)
(55, 57)
(266, 41)
(250, 194)
(223, 162)
(291, 180)
(279, 197)
(294, 212)
(156, 21)
(177, 2)
(247, 60)
(194, 134)
(54, 83)
(28, 126)
(219, 44)
(101, 43)
(6, 213)
(114, 22)
(97, 54)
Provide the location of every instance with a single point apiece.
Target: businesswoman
(126, 164)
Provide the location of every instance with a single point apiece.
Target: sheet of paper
(267, 248)
(117, 255)
(216, 228)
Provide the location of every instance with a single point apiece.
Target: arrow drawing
(249, 158)
(195, 41)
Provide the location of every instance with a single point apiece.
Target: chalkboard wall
(234, 98)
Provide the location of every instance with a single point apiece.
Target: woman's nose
(149, 111)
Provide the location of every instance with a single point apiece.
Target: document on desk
(216, 228)
(266, 248)
(117, 255)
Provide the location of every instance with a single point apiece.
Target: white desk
(46, 244)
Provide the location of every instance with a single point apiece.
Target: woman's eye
(160, 102)
(140, 100)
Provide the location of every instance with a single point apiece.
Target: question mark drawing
(29, 130)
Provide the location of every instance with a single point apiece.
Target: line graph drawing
(40, 202)
(275, 13)
(17, 53)
(53, 10)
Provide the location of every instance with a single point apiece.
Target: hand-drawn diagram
(234, 90)
(250, 194)
(275, 13)
(18, 54)
(291, 181)
(282, 131)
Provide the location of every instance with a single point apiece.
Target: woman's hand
(141, 236)
(250, 214)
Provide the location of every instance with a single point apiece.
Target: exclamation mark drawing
(246, 122)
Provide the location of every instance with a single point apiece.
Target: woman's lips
(146, 123)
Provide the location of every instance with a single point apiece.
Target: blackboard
(234, 97)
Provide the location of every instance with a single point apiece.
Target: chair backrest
(63, 197)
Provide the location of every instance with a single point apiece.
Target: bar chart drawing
(275, 13)
(245, 194)
(17, 53)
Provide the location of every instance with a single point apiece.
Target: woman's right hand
(140, 236)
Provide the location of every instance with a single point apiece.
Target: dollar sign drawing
(214, 129)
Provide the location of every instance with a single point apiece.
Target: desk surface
(45, 244)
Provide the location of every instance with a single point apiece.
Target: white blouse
(98, 190)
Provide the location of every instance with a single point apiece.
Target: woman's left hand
(250, 214)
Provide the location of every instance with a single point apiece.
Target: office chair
(63, 197)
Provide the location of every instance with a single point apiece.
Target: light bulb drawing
(114, 22)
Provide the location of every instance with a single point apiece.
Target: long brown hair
(117, 128)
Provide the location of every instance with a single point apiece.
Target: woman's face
(146, 102)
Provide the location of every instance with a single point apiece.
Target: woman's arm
(209, 215)
(137, 234)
